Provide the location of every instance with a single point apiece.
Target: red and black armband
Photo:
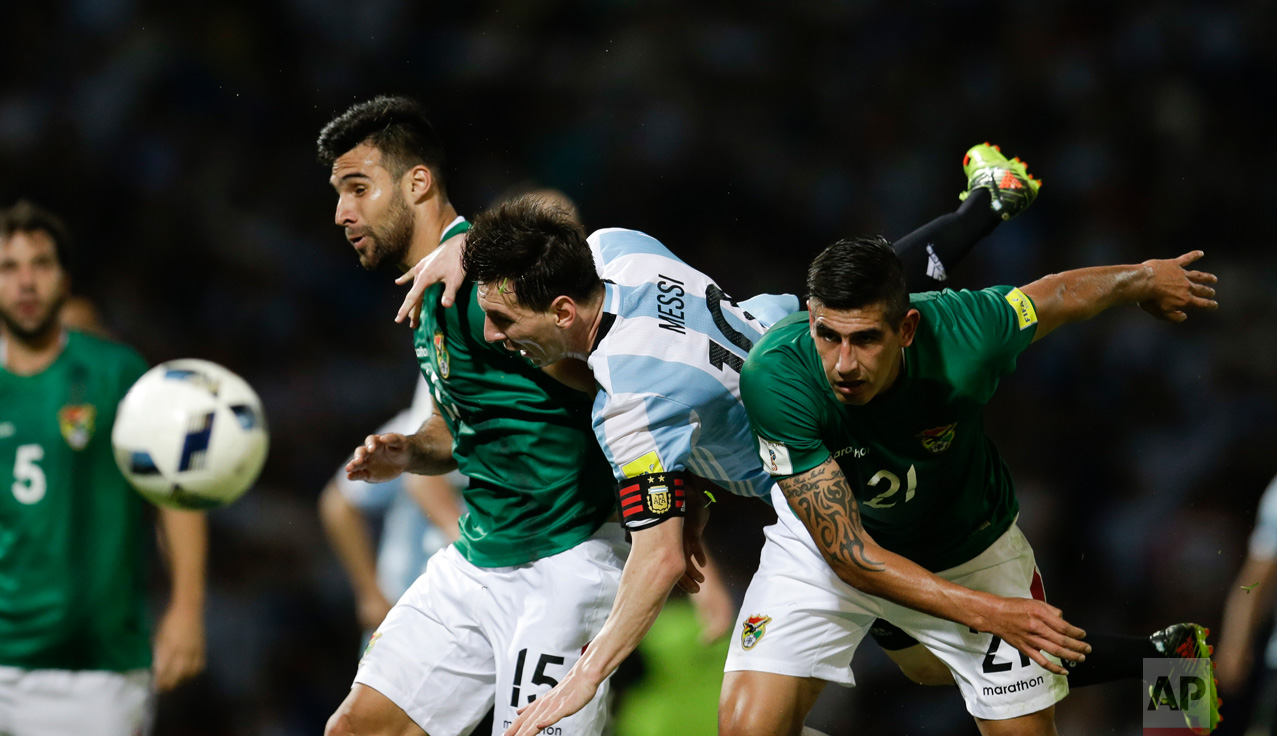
(649, 499)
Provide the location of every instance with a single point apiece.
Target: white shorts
(75, 702)
(464, 638)
(799, 619)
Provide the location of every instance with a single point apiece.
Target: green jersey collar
(456, 227)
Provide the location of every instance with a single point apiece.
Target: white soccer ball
(190, 434)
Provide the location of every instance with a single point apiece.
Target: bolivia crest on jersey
(77, 422)
(441, 354)
(753, 629)
(937, 440)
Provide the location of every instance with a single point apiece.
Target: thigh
(553, 608)
(765, 703)
(798, 619)
(1041, 723)
(432, 656)
(997, 681)
(85, 703)
(366, 711)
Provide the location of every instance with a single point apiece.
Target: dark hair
(25, 217)
(396, 126)
(858, 272)
(537, 247)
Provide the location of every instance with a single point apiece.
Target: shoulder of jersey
(83, 341)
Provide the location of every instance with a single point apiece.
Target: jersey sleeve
(782, 410)
(993, 325)
(648, 438)
(1263, 540)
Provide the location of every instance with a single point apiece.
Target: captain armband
(650, 498)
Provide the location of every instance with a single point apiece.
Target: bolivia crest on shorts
(937, 440)
(753, 629)
(441, 354)
(371, 641)
(77, 422)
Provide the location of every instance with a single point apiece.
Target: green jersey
(539, 484)
(72, 537)
(930, 483)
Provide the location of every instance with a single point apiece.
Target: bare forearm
(823, 500)
(347, 533)
(1076, 296)
(655, 564)
(431, 448)
(186, 545)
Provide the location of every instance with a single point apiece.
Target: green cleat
(1011, 186)
(1188, 642)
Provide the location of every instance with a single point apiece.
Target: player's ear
(909, 327)
(420, 181)
(563, 309)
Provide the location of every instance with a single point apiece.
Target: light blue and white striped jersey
(667, 357)
(408, 539)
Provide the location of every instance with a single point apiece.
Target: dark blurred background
(177, 139)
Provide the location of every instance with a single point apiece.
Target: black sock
(1112, 657)
(929, 251)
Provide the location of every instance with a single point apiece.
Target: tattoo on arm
(822, 499)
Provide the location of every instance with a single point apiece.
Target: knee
(340, 724)
(736, 717)
(369, 716)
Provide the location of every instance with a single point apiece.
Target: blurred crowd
(177, 139)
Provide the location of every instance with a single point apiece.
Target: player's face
(371, 207)
(533, 334)
(32, 284)
(859, 349)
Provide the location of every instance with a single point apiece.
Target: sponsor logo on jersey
(937, 440)
(753, 629)
(775, 457)
(441, 354)
(648, 462)
(1014, 687)
(857, 452)
(1025, 315)
(77, 422)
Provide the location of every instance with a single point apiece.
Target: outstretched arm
(823, 500)
(1165, 289)
(384, 457)
(655, 564)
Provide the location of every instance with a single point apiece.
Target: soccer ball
(190, 434)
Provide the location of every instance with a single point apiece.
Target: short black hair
(855, 273)
(26, 217)
(537, 247)
(396, 126)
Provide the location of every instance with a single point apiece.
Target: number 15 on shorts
(539, 677)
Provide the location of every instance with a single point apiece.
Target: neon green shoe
(1010, 184)
(1188, 642)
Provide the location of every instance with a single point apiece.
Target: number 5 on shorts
(538, 677)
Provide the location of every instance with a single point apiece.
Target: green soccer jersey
(930, 483)
(72, 537)
(539, 484)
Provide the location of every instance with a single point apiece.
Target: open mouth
(850, 388)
